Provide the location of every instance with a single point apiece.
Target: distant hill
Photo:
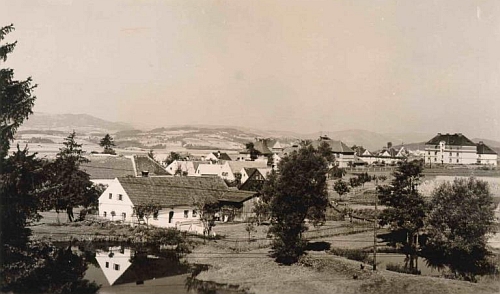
(81, 123)
(209, 136)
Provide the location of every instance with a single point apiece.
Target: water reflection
(125, 269)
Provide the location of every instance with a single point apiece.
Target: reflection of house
(114, 262)
(122, 265)
(344, 156)
(175, 196)
(457, 149)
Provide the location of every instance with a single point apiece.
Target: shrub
(353, 254)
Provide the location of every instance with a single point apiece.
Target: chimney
(145, 173)
(439, 134)
(389, 145)
(481, 142)
(218, 154)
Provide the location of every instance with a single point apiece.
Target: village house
(217, 157)
(183, 167)
(252, 173)
(457, 149)
(175, 195)
(219, 170)
(344, 156)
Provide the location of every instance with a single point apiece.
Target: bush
(353, 254)
(402, 269)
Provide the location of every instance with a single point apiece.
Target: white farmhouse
(175, 195)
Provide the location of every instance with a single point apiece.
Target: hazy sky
(304, 66)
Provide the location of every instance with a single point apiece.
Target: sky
(301, 66)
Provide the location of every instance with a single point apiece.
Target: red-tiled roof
(451, 139)
(337, 146)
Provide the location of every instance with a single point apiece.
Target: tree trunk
(69, 211)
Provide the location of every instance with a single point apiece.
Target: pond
(124, 269)
(395, 258)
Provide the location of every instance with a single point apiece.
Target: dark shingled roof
(177, 191)
(108, 167)
(484, 149)
(144, 163)
(337, 146)
(222, 156)
(451, 139)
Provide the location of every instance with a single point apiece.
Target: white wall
(107, 205)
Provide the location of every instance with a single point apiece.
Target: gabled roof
(451, 139)
(237, 196)
(172, 191)
(222, 156)
(208, 169)
(108, 167)
(261, 146)
(337, 146)
(484, 149)
(145, 163)
(236, 166)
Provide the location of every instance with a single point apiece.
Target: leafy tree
(16, 97)
(146, 211)
(254, 153)
(341, 187)
(250, 228)
(152, 155)
(21, 176)
(73, 186)
(206, 206)
(172, 157)
(336, 172)
(299, 192)
(461, 217)
(326, 151)
(108, 143)
(354, 182)
(406, 208)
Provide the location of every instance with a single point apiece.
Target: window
(186, 212)
(194, 212)
(451, 154)
(116, 266)
(450, 160)
(457, 153)
(124, 215)
(104, 214)
(429, 152)
(435, 153)
(120, 197)
(457, 160)
(224, 174)
(435, 159)
(170, 217)
(110, 195)
(107, 264)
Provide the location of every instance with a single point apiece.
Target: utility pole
(375, 228)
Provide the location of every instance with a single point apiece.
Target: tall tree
(461, 217)
(16, 97)
(74, 187)
(107, 143)
(406, 208)
(254, 153)
(299, 192)
(25, 266)
(172, 157)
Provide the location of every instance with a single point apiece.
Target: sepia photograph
(250, 146)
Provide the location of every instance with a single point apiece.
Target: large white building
(457, 149)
